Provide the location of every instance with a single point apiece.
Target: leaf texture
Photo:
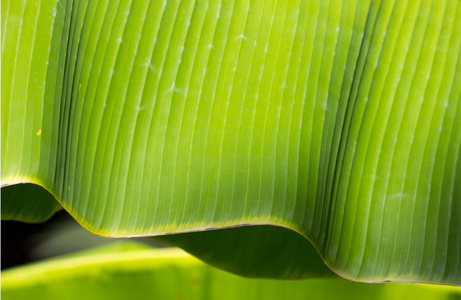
(340, 120)
(28, 203)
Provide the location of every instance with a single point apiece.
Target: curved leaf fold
(127, 271)
(340, 120)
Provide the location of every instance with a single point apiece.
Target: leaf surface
(126, 272)
(340, 120)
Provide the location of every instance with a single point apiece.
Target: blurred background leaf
(127, 270)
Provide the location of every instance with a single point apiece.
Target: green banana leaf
(131, 271)
(28, 202)
(338, 120)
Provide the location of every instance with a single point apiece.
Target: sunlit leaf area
(231, 149)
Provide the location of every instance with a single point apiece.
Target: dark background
(25, 242)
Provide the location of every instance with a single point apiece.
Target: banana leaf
(339, 120)
(128, 270)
